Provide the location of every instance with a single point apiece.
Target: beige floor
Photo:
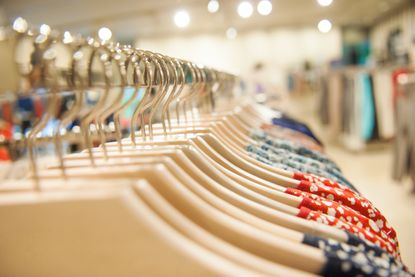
(370, 171)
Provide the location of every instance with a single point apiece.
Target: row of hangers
(176, 197)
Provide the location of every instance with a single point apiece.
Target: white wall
(404, 20)
(278, 50)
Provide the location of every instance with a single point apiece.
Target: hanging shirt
(273, 160)
(324, 189)
(342, 225)
(300, 163)
(367, 123)
(295, 125)
(298, 158)
(341, 212)
(346, 197)
(297, 137)
(293, 147)
(356, 260)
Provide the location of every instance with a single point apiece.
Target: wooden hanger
(257, 209)
(155, 198)
(236, 232)
(274, 172)
(111, 227)
(236, 135)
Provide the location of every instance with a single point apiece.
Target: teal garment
(127, 94)
(367, 125)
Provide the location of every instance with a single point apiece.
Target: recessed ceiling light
(104, 34)
(182, 19)
(325, 3)
(231, 33)
(213, 6)
(245, 9)
(264, 7)
(324, 26)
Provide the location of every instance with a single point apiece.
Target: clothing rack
(119, 66)
(357, 106)
(404, 146)
(408, 79)
(211, 188)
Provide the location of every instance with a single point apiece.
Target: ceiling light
(67, 37)
(264, 7)
(245, 9)
(213, 6)
(182, 19)
(324, 26)
(20, 25)
(44, 29)
(325, 3)
(104, 34)
(231, 33)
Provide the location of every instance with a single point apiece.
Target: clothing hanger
(229, 229)
(159, 193)
(57, 175)
(141, 174)
(106, 157)
(118, 82)
(215, 184)
(154, 109)
(38, 127)
(126, 222)
(257, 170)
(225, 130)
(273, 271)
(240, 162)
(159, 98)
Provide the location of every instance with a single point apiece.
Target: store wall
(278, 50)
(405, 22)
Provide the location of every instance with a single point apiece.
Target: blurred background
(342, 66)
